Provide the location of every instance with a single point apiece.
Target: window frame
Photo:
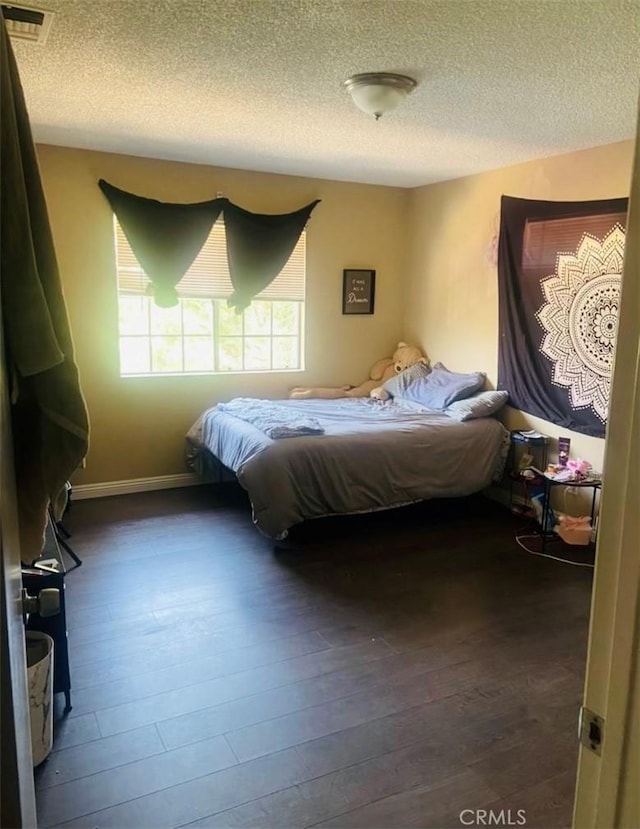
(127, 264)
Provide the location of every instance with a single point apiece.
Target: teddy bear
(404, 356)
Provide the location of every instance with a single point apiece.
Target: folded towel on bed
(274, 419)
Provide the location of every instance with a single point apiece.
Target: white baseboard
(103, 490)
(81, 491)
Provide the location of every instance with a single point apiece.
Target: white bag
(40, 675)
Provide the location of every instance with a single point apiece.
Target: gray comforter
(372, 455)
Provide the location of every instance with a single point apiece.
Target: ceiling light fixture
(378, 92)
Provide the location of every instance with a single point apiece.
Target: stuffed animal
(403, 357)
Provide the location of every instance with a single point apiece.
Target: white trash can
(40, 676)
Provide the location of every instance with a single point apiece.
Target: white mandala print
(580, 318)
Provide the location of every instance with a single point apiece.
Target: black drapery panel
(165, 238)
(258, 248)
(559, 272)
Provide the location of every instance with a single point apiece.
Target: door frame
(614, 635)
(18, 803)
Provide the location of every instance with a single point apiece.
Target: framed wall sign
(358, 291)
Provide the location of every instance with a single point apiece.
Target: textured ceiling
(256, 84)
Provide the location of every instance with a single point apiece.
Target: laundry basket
(40, 676)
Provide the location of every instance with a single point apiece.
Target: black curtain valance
(166, 238)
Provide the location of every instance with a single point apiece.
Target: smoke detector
(27, 23)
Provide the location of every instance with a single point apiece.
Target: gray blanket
(372, 455)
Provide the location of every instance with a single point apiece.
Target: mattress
(372, 455)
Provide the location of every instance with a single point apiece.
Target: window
(202, 334)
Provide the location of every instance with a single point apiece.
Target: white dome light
(378, 92)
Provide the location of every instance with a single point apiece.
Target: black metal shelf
(35, 580)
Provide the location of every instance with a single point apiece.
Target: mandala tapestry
(559, 274)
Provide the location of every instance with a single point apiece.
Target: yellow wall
(436, 283)
(452, 296)
(138, 424)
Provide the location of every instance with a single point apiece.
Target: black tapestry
(559, 274)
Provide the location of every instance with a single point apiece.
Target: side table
(549, 484)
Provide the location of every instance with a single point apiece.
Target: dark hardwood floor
(389, 670)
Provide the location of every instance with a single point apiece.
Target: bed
(370, 455)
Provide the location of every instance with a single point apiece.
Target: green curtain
(166, 238)
(49, 418)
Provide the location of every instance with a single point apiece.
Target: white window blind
(208, 276)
